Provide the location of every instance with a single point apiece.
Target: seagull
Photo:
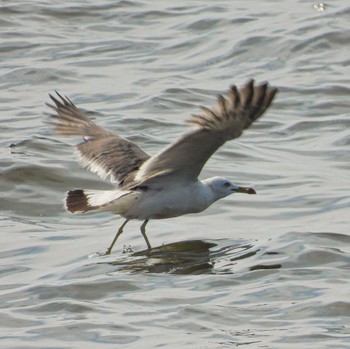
(166, 184)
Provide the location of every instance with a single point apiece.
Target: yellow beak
(245, 190)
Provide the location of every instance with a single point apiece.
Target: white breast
(172, 201)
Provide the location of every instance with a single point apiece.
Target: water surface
(263, 271)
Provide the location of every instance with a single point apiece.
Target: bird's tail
(82, 200)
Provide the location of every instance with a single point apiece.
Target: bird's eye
(227, 184)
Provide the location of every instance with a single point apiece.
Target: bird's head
(222, 187)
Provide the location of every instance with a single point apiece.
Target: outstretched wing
(184, 159)
(102, 151)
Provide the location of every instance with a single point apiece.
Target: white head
(222, 187)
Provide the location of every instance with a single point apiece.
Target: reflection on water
(185, 257)
(190, 257)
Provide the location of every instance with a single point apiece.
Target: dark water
(264, 271)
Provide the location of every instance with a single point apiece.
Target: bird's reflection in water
(184, 257)
(194, 257)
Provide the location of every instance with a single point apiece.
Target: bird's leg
(143, 232)
(120, 230)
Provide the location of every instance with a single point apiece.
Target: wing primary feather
(259, 94)
(222, 106)
(209, 112)
(247, 93)
(234, 96)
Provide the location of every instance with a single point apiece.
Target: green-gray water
(262, 271)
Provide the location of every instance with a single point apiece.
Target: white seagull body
(165, 185)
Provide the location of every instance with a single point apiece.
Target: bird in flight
(166, 184)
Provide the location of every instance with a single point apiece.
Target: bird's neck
(210, 195)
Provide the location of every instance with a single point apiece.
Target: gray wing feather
(102, 152)
(185, 158)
